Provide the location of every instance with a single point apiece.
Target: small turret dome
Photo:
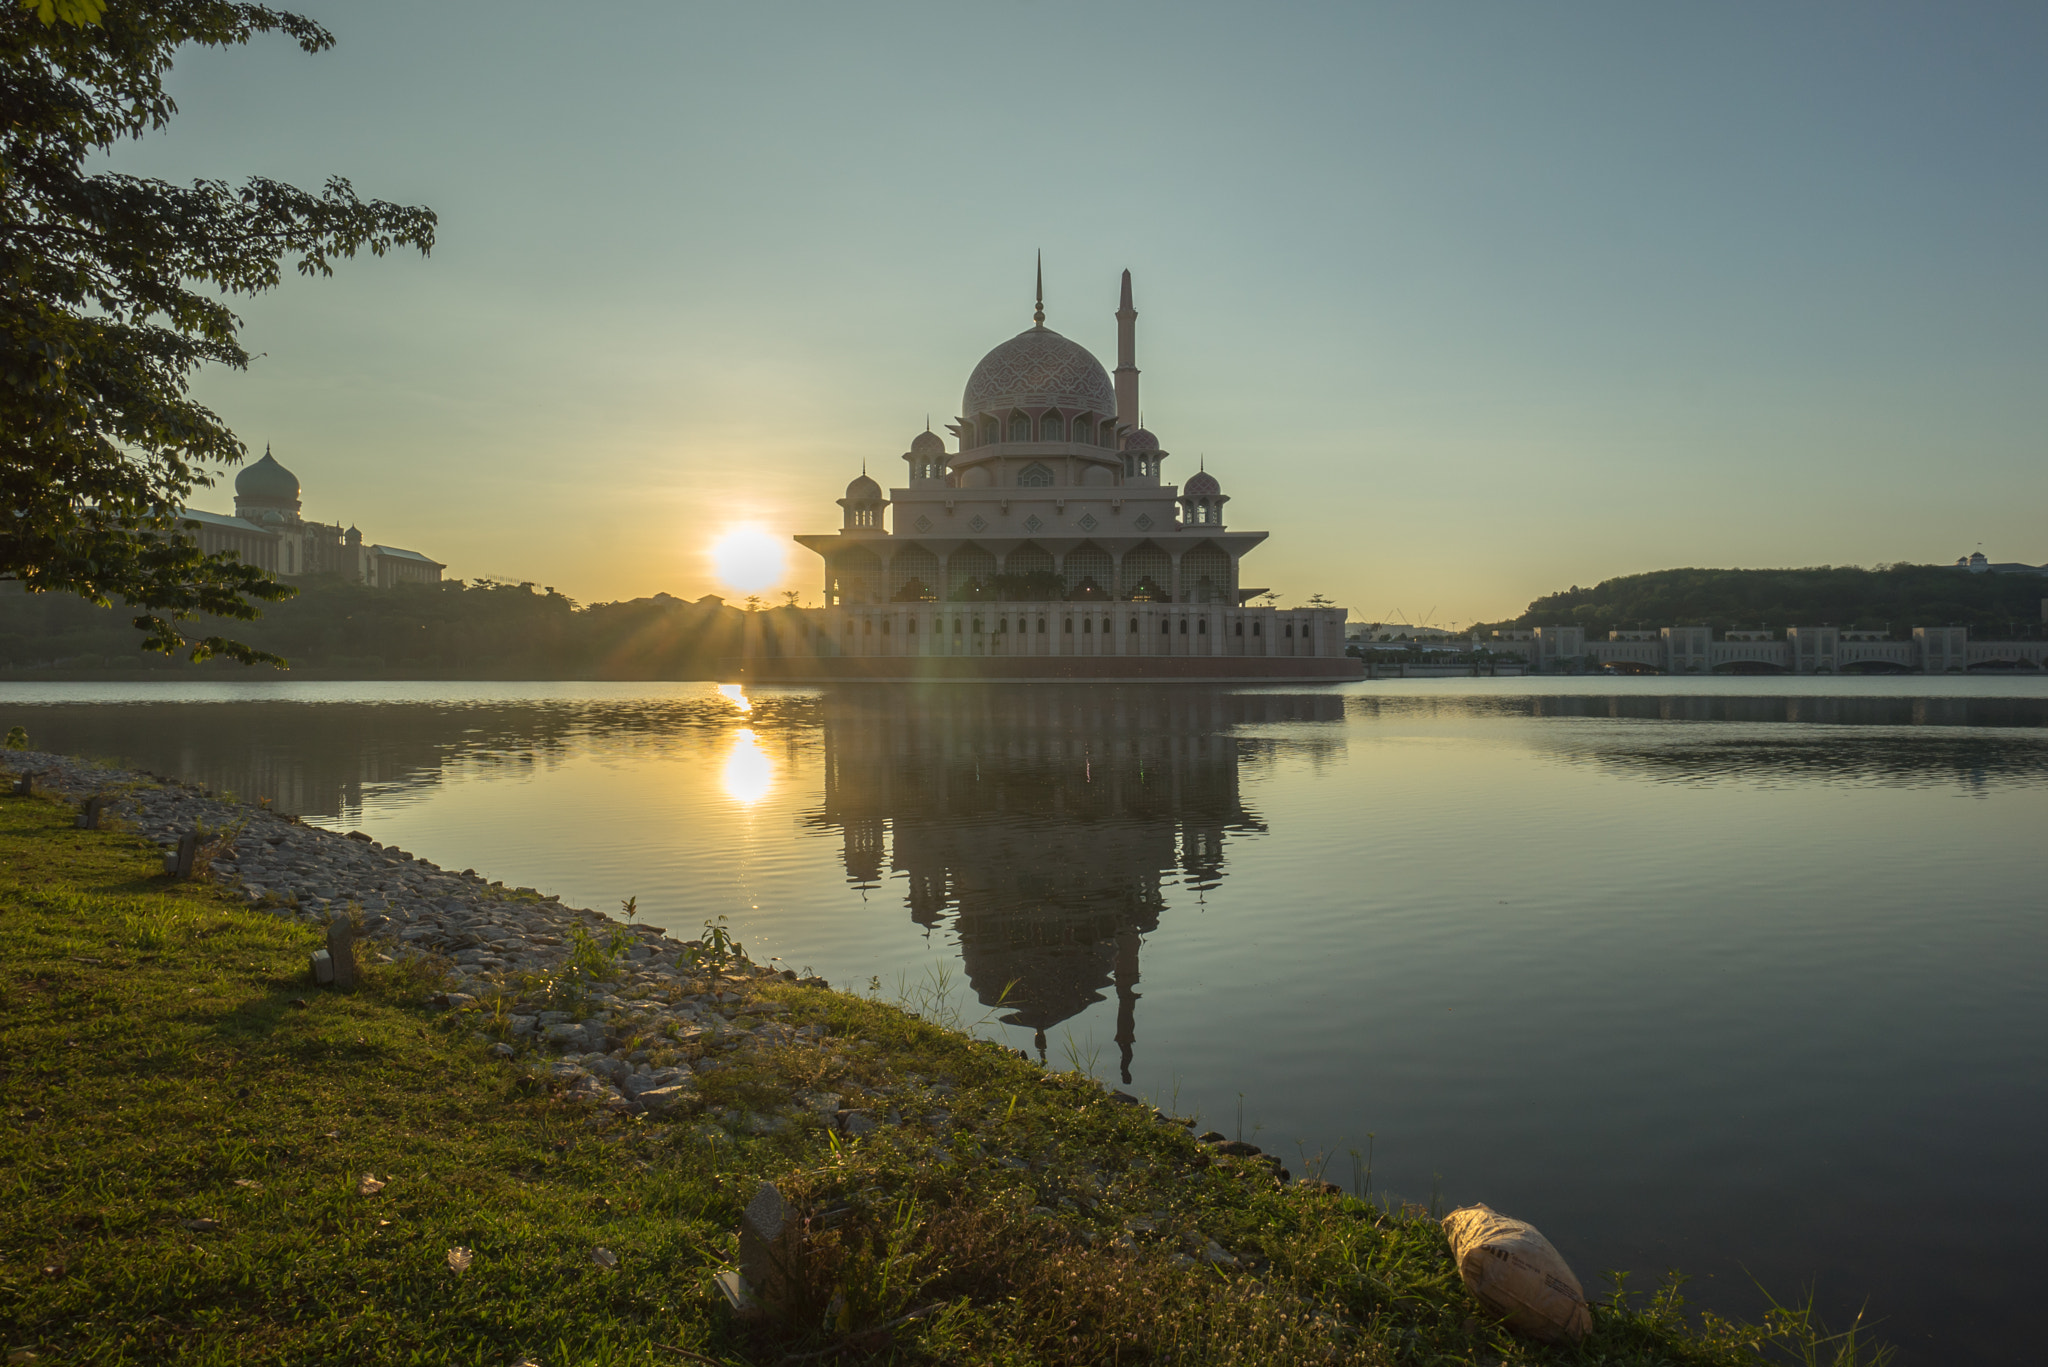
(1141, 440)
(927, 443)
(1204, 483)
(862, 488)
(268, 484)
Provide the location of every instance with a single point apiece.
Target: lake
(1738, 976)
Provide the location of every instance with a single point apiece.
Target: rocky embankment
(647, 1003)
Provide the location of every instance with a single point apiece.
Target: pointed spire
(1125, 302)
(1038, 318)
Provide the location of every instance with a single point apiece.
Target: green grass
(157, 1070)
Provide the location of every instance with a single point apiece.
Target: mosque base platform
(1043, 669)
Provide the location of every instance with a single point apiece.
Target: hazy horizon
(1464, 305)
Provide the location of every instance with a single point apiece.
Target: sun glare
(736, 695)
(749, 773)
(748, 558)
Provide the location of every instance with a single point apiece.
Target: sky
(1463, 303)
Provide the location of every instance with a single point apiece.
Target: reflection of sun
(749, 773)
(736, 695)
(748, 558)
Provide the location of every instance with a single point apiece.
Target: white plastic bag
(1514, 1272)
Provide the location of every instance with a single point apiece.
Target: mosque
(1047, 545)
(268, 532)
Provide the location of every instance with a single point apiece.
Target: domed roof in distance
(1038, 369)
(862, 488)
(1140, 440)
(1203, 483)
(928, 444)
(267, 482)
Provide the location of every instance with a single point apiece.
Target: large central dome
(1038, 369)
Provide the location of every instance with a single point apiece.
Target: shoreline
(508, 947)
(679, 1056)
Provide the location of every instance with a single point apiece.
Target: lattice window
(1036, 475)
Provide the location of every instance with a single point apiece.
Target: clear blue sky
(1463, 302)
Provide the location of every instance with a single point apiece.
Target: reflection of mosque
(1045, 822)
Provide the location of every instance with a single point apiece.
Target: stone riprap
(630, 1047)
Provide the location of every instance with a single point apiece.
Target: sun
(748, 559)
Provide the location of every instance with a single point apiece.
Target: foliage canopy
(111, 297)
(1898, 597)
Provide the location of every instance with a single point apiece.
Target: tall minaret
(1126, 360)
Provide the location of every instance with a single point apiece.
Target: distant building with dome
(1047, 544)
(268, 532)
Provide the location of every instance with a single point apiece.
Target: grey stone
(341, 940)
(766, 1229)
(521, 1025)
(503, 1050)
(323, 968)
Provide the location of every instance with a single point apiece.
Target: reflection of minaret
(1044, 822)
(1126, 1000)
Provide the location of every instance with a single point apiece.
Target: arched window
(1035, 476)
(1084, 430)
(1052, 428)
(1130, 465)
(1020, 428)
(1134, 627)
(988, 432)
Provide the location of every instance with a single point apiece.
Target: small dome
(862, 488)
(1203, 483)
(927, 444)
(267, 482)
(1141, 440)
(1038, 369)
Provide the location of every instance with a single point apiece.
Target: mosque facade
(268, 531)
(1047, 542)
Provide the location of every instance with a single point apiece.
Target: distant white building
(268, 532)
(1802, 650)
(1979, 563)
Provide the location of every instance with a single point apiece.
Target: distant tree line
(336, 627)
(1888, 597)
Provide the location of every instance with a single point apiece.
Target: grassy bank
(189, 1124)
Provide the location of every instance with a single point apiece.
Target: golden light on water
(736, 695)
(749, 773)
(749, 559)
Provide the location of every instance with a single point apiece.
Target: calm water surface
(1743, 977)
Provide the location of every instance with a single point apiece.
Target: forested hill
(336, 628)
(1897, 597)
